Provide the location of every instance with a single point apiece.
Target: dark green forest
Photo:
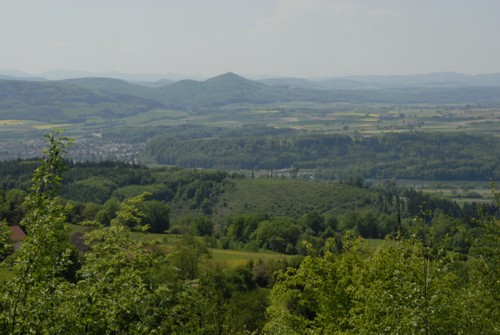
(424, 156)
(435, 272)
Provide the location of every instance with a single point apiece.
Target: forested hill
(63, 102)
(231, 88)
(222, 90)
(392, 155)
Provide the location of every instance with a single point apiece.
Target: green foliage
(485, 292)
(313, 221)
(241, 226)
(232, 304)
(92, 189)
(187, 256)
(279, 234)
(196, 224)
(113, 275)
(159, 192)
(45, 255)
(156, 215)
(108, 211)
(14, 208)
(405, 287)
(316, 297)
(5, 242)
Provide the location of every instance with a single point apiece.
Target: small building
(17, 236)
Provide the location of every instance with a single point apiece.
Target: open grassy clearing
(155, 117)
(52, 126)
(235, 258)
(461, 191)
(220, 256)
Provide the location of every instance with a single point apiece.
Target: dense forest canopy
(437, 156)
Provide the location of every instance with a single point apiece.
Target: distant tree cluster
(425, 156)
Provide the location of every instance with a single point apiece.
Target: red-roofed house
(17, 236)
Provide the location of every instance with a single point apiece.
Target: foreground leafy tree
(484, 286)
(317, 297)
(45, 255)
(400, 287)
(406, 289)
(124, 287)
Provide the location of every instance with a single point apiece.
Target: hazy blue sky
(307, 38)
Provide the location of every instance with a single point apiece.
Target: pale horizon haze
(293, 38)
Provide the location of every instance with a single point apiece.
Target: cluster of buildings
(84, 149)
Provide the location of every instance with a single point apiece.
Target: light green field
(156, 116)
(220, 256)
(234, 258)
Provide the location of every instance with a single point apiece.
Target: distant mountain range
(442, 79)
(438, 79)
(72, 74)
(64, 98)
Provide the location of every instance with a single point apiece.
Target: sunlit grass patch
(235, 257)
(51, 126)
